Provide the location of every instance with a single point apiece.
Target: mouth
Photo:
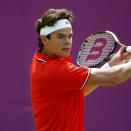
(67, 49)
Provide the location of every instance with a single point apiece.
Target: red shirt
(57, 93)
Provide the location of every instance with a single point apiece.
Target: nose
(68, 41)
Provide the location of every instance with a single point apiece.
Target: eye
(61, 36)
(70, 36)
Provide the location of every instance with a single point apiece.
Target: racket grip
(128, 49)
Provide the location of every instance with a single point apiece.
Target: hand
(120, 57)
(127, 57)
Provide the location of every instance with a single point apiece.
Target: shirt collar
(44, 58)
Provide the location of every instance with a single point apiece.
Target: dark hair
(49, 18)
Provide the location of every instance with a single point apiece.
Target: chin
(66, 54)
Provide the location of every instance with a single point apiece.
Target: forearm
(111, 76)
(120, 72)
(125, 71)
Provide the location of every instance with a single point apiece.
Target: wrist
(111, 63)
(105, 66)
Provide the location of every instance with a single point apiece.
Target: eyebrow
(60, 34)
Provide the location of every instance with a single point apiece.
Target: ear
(43, 39)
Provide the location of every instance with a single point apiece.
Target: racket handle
(128, 49)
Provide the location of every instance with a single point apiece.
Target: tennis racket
(98, 48)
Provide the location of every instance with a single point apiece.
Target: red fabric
(58, 101)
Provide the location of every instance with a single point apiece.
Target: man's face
(60, 43)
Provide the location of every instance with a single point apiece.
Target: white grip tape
(128, 49)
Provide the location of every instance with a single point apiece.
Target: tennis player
(58, 86)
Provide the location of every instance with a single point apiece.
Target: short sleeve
(71, 77)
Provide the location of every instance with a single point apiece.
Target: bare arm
(117, 59)
(111, 76)
(108, 77)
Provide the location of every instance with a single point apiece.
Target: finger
(126, 56)
(111, 56)
(122, 49)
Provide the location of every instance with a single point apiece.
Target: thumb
(122, 49)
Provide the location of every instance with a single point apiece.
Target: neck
(50, 55)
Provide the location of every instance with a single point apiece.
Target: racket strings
(92, 52)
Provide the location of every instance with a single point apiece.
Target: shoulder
(68, 68)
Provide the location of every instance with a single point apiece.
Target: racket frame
(87, 40)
